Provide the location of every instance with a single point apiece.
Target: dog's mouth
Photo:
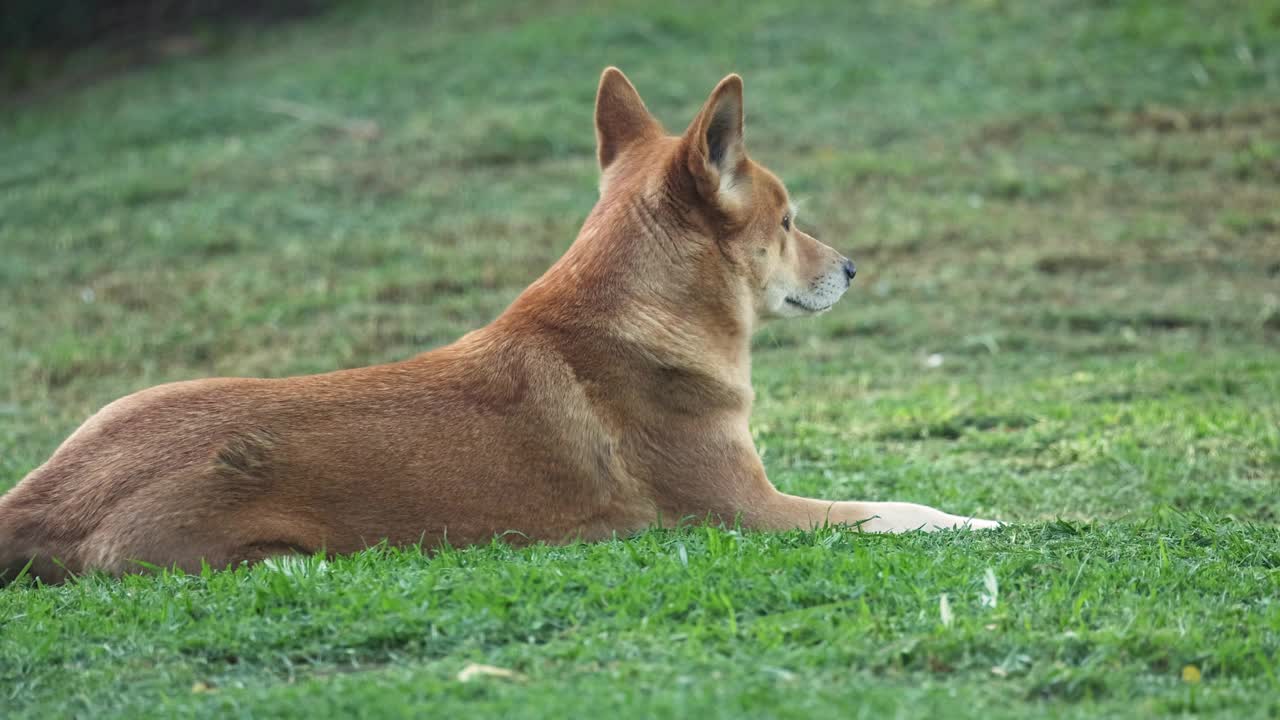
(805, 306)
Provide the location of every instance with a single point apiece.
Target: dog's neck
(641, 276)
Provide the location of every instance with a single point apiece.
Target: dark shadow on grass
(954, 428)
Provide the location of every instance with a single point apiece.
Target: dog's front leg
(789, 511)
(745, 493)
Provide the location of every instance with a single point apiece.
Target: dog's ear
(714, 149)
(621, 117)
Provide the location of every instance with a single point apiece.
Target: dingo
(613, 394)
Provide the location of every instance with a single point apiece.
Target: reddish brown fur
(613, 394)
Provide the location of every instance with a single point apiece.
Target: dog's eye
(786, 222)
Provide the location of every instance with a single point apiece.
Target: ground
(1067, 315)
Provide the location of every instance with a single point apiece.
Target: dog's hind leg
(254, 553)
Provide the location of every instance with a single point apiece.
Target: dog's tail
(11, 562)
(13, 570)
(16, 558)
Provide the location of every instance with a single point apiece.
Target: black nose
(849, 269)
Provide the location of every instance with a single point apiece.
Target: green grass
(1072, 204)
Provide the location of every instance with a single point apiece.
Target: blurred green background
(1072, 205)
(1065, 217)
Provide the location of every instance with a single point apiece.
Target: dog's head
(723, 212)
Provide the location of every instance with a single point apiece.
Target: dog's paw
(978, 524)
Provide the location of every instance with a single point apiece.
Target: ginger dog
(612, 395)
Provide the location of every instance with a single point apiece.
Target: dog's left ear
(621, 117)
(714, 147)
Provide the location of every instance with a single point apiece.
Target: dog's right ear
(714, 146)
(621, 117)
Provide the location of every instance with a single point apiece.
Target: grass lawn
(1066, 219)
